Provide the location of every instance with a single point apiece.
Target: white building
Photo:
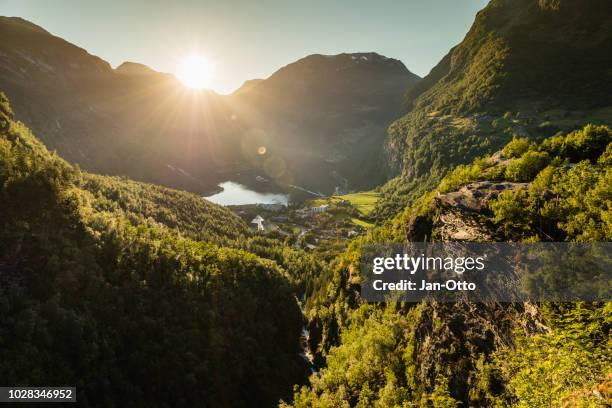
(319, 209)
(258, 221)
(271, 206)
(305, 212)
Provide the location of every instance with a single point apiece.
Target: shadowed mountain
(329, 108)
(112, 121)
(134, 68)
(324, 112)
(111, 271)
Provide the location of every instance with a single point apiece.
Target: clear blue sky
(248, 39)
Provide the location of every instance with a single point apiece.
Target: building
(319, 209)
(305, 212)
(271, 206)
(258, 221)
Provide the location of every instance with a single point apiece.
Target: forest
(119, 278)
(140, 295)
(441, 355)
(106, 275)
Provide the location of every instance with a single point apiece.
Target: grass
(363, 201)
(361, 223)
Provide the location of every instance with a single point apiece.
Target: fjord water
(235, 193)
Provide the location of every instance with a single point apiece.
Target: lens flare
(196, 72)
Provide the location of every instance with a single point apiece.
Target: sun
(195, 72)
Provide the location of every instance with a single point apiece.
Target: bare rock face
(474, 197)
(463, 215)
(451, 338)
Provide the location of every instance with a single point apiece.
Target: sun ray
(195, 72)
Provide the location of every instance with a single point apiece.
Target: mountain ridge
(525, 68)
(321, 112)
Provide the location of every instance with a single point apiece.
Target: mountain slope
(331, 108)
(525, 67)
(102, 288)
(329, 113)
(476, 354)
(101, 118)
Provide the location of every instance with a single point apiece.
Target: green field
(361, 223)
(363, 201)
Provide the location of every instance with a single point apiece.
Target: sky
(247, 39)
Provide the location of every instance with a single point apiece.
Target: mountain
(483, 354)
(502, 141)
(101, 118)
(525, 67)
(329, 113)
(124, 289)
(134, 68)
(330, 108)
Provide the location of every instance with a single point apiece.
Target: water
(239, 194)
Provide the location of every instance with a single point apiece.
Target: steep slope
(526, 67)
(102, 288)
(129, 121)
(330, 108)
(477, 354)
(327, 113)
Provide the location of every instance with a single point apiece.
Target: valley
(194, 137)
(170, 246)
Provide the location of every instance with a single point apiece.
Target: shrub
(527, 167)
(5, 106)
(516, 147)
(510, 208)
(587, 143)
(606, 158)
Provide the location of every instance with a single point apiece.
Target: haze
(245, 39)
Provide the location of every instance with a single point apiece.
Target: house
(319, 209)
(305, 212)
(274, 207)
(258, 221)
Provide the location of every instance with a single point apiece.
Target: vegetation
(357, 206)
(145, 296)
(363, 201)
(126, 290)
(579, 200)
(501, 83)
(438, 355)
(563, 367)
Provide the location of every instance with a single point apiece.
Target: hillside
(527, 68)
(99, 118)
(328, 113)
(136, 294)
(331, 109)
(467, 354)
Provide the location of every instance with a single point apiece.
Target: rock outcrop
(462, 215)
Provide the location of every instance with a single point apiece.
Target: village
(315, 225)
